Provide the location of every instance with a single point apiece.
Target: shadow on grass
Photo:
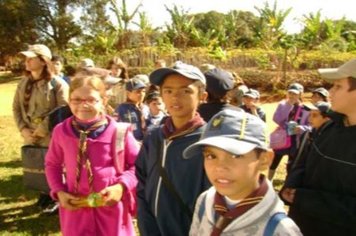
(18, 211)
(28, 220)
(11, 164)
(9, 78)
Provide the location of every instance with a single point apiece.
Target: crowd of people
(185, 150)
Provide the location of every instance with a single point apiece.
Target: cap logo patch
(216, 123)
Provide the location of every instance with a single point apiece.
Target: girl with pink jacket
(91, 176)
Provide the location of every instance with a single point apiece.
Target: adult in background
(325, 201)
(218, 83)
(38, 93)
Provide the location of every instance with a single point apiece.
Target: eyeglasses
(89, 101)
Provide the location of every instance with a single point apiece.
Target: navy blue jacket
(159, 213)
(325, 198)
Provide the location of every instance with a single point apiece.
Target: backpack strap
(273, 222)
(119, 144)
(201, 210)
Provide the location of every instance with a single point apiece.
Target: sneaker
(51, 209)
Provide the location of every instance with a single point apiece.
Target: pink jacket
(63, 149)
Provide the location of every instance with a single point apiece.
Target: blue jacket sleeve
(146, 220)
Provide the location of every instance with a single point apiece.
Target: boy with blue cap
(168, 184)
(242, 201)
(133, 110)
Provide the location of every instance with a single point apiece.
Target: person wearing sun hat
(323, 199)
(37, 94)
(235, 150)
(290, 115)
(168, 184)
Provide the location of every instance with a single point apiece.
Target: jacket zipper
(165, 147)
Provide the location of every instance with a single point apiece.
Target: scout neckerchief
(170, 131)
(226, 216)
(28, 91)
(84, 131)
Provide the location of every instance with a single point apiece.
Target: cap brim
(157, 76)
(294, 91)
(28, 54)
(331, 74)
(231, 145)
(112, 80)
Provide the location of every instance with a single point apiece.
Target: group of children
(186, 176)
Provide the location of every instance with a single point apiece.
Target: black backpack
(58, 114)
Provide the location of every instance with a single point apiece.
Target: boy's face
(180, 96)
(249, 101)
(234, 176)
(136, 95)
(156, 106)
(316, 120)
(57, 65)
(342, 100)
(316, 97)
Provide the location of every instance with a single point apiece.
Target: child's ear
(266, 159)
(203, 97)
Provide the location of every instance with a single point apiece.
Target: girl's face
(115, 71)
(136, 95)
(58, 66)
(34, 64)
(234, 176)
(86, 103)
(293, 97)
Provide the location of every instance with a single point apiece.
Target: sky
(332, 9)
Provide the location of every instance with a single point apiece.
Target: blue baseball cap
(234, 131)
(186, 70)
(218, 82)
(134, 84)
(323, 107)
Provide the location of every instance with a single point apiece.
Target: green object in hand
(95, 200)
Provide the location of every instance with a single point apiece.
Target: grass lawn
(18, 213)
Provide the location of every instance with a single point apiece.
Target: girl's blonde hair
(92, 81)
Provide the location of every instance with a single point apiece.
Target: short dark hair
(57, 58)
(352, 83)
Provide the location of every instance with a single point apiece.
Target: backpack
(271, 224)
(118, 149)
(58, 114)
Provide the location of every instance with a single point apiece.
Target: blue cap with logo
(186, 70)
(234, 131)
(134, 84)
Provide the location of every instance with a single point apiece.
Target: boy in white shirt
(242, 201)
